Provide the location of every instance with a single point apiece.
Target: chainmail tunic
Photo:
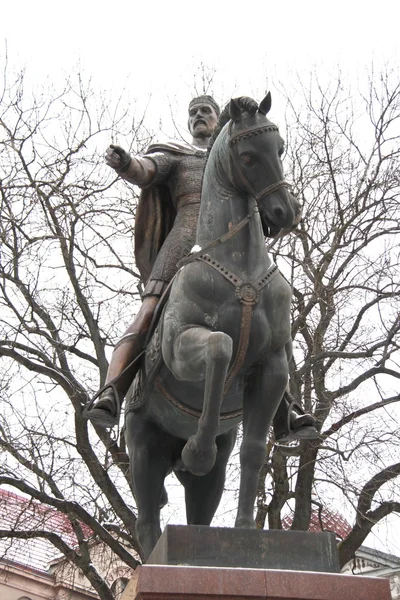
(182, 174)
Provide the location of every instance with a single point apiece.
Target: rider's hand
(117, 158)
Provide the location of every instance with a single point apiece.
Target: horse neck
(223, 206)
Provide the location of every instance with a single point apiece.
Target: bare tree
(343, 263)
(67, 289)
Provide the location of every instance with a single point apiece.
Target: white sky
(154, 47)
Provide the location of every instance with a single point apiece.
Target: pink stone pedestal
(155, 582)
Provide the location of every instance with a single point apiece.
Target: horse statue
(220, 353)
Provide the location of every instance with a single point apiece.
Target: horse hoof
(198, 462)
(148, 535)
(245, 523)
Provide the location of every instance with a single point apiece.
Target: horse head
(255, 149)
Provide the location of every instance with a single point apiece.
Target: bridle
(238, 174)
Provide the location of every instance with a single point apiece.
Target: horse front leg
(262, 396)
(200, 354)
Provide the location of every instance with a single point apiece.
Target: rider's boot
(104, 409)
(292, 423)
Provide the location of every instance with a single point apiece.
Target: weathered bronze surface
(170, 176)
(215, 331)
(200, 546)
(223, 357)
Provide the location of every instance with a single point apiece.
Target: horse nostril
(278, 212)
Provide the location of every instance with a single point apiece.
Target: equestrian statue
(211, 349)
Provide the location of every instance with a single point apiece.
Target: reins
(223, 238)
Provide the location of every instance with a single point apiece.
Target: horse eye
(281, 151)
(247, 159)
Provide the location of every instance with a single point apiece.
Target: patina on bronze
(201, 546)
(226, 321)
(170, 176)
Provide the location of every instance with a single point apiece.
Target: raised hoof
(198, 462)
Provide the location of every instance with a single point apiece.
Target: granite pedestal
(202, 563)
(154, 582)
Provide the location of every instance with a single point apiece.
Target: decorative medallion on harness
(247, 294)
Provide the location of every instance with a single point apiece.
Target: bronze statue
(220, 354)
(170, 176)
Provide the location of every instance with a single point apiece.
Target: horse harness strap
(270, 189)
(192, 411)
(223, 238)
(245, 292)
(248, 294)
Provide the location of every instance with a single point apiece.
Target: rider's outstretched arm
(139, 170)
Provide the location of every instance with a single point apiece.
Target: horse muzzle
(278, 206)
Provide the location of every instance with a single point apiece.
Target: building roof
(24, 514)
(384, 558)
(323, 520)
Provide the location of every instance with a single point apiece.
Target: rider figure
(170, 176)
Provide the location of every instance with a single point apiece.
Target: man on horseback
(170, 176)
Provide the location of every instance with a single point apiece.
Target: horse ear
(265, 105)
(234, 111)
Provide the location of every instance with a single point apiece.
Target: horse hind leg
(149, 462)
(202, 354)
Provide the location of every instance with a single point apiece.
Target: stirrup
(304, 432)
(100, 416)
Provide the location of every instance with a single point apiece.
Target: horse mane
(245, 104)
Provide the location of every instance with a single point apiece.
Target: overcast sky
(153, 48)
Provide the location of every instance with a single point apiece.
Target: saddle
(150, 365)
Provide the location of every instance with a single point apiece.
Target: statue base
(213, 563)
(201, 546)
(156, 582)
